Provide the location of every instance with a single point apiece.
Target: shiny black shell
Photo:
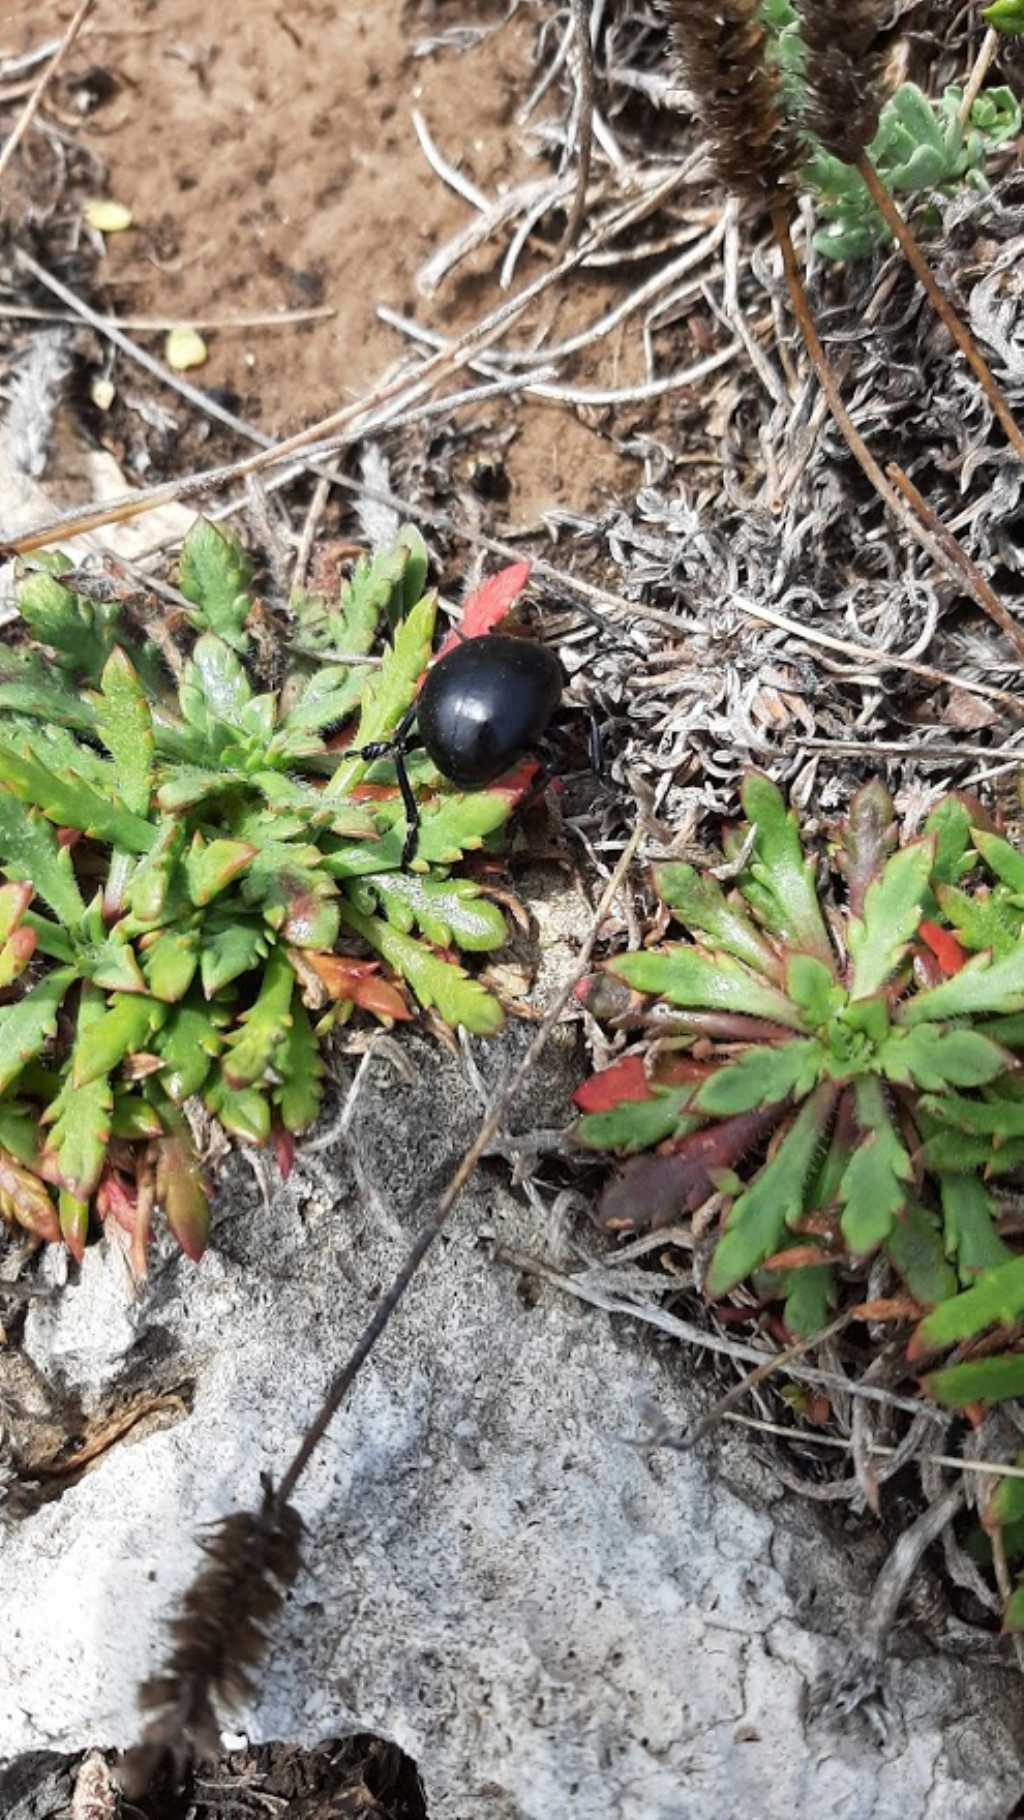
(485, 703)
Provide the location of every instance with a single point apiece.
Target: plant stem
(972, 575)
(989, 46)
(960, 569)
(940, 302)
(431, 1230)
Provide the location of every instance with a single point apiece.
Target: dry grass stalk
(31, 107)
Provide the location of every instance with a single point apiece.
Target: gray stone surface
(550, 1623)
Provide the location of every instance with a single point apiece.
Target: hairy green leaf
(986, 1381)
(31, 851)
(701, 981)
(981, 920)
(215, 574)
(935, 1057)
(125, 726)
(230, 950)
(252, 1046)
(983, 985)
(461, 1001)
(995, 1299)
(189, 1042)
(72, 803)
(448, 911)
(121, 1030)
(915, 1247)
(812, 989)
(698, 902)
(390, 690)
(243, 1111)
(170, 964)
(970, 1235)
(211, 866)
(79, 631)
(950, 824)
(784, 894)
(758, 1218)
(76, 1147)
(762, 1077)
(299, 1091)
(1002, 859)
(892, 910)
(874, 1188)
(635, 1125)
(27, 1026)
(810, 1297)
(993, 1117)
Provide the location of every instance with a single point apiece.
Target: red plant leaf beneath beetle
(945, 947)
(488, 605)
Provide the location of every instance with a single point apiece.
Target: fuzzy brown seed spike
(721, 50)
(218, 1638)
(841, 73)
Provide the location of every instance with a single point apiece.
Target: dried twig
(31, 107)
(584, 73)
(159, 325)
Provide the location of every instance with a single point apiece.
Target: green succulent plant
(848, 1079)
(200, 884)
(920, 146)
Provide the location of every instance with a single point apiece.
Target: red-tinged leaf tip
(284, 1150)
(181, 1192)
(516, 782)
(116, 1201)
(488, 604)
(945, 947)
(68, 837)
(623, 1081)
(74, 1224)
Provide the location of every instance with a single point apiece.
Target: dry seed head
(721, 50)
(841, 73)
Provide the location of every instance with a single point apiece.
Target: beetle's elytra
(485, 703)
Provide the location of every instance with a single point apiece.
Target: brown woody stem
(959, 568)
(940, 302)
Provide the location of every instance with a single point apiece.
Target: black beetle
(482, 705)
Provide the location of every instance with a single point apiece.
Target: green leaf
(460, 1000)
(950, 824)
(874, 1187)
(892, 911)
(810, 1297)
(211, 866)
(27, 1026)
(934, 1058)
(1002, 859)
(229, 951)
(915, 1247)
(187, 1045)
(783, 892)
(122, 1029)
(133, 1118)
(1006, 1504)
(970, 1235)
(981, 919)
(868, 837)
(448, 911)
(758, 1219)
(263, 1027)
(77, 630)
(125, 726)
(111, 964)
(149, 889)
(987, 1381)
(183, 786)
(993, 1117)
(812, 989)
(390, 690)
(49, 702)
(243, 1112)
(170, 964)
(995, 1299)
(762, 1077)
(635, 1125)
(31, 851)
(73, 1217)
(704, 982)
(1005, 16)
(72, 803)
(983, 985)
(1009, 1031)
(299, 1092)
(19, 1132)
(217, 678)
(215, 574)
(76, 1148)
(25, 1202)
(296, 895)
(180, 1191)
(698, 901)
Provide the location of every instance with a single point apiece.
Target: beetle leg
(412, 813)
(387, 748)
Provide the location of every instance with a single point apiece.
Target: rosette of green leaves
(846, 1100)
(179, 850)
